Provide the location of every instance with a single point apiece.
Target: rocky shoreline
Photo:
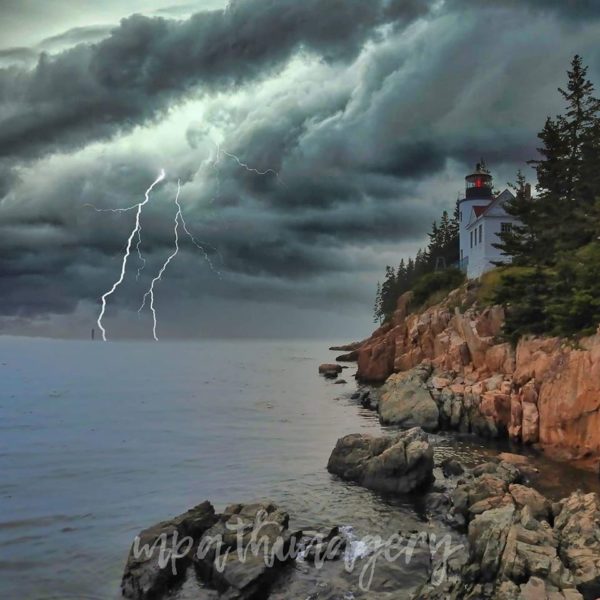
(518, 544)
(509, 541)
(487, 532)
(543, 392)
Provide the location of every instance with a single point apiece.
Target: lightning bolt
(140, 256)
(150, 292)
(199, 245)
(134, 231)
(243, 164)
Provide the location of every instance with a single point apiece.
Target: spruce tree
(388, 292)
(377, 312)
(567, 179)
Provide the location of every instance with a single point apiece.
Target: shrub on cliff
(433, 287)
(563, 300)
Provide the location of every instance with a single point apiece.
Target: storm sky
(363, 117)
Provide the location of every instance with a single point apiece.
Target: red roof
(479, 210)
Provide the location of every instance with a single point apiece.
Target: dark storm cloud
(571, 9)
(370, 141)
(90, 92)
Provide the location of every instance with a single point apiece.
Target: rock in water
(349, 357)
(329, 367)
(233, 555)
(405, 401)
(400, 463)
(255, 541)
(144, 577)
(451, 467)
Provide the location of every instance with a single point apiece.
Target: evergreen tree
(377, 312)
(401, 279)
(521, 243)
(388, 292)
(567, 172)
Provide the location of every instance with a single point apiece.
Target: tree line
(553, 285)
(441, 252)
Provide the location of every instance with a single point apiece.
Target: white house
(482, 217)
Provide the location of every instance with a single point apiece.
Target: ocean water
(98, 441)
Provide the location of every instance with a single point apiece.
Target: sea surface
(98, 441)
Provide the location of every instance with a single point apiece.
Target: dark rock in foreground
(400, 464)
(219, 548)
(144, 576)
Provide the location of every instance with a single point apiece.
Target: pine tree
(566, 169)
(388, 292)
(401, 279)
(377, 312)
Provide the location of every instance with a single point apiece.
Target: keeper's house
(482, 217)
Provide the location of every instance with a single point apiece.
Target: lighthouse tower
(478, 196)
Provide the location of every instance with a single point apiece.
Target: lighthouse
(482, 217)
(478, 195)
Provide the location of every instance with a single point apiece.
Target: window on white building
(480, 233)
(471, 239)
(505, 227)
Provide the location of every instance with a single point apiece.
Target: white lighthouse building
(482, 217)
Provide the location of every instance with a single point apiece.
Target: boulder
(330, 370)
(400, 463)
(145, 577)
(251, 547)
(526, 496)
(348, 357)
(406, 401)
(451, 467)
(578, 529)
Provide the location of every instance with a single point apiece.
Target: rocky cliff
(545, 391)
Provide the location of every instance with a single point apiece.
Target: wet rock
(369, 400)
(326, 368)
(145, 577)
(348, 357)
(406, 401)
(451, 467)
(323, 545)
(347, 347)
(341, 382)
(400, 463)
(245, 550)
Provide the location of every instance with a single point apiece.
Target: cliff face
(545, 391)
